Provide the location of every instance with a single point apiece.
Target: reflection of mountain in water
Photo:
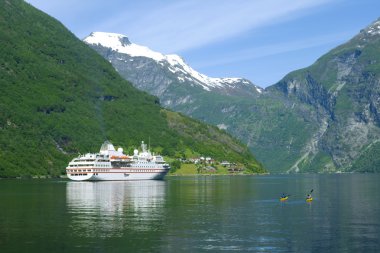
(109, 208)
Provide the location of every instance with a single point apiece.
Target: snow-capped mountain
(134, 62)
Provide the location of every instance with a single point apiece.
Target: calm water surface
(192, 214)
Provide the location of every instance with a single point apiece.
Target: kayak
(309, 199)
(284, 199)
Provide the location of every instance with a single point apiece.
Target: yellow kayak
(309, 199)
(284, 199)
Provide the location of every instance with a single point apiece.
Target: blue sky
(261, 40)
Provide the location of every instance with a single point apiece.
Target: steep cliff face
(343, 88)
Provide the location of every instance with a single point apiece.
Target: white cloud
(186, 25)
(173, 26)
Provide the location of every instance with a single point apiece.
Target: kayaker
(308, 196)
(283, 195)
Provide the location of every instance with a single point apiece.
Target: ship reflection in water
(111, 208)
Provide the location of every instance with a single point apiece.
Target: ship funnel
(106, 147)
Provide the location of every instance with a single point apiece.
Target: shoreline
(196, 175)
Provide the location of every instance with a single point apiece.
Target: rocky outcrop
(343, 88)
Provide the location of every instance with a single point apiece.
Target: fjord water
(192, 214)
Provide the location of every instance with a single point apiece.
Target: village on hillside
(210, 165)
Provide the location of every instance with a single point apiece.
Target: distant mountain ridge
(158, 74)
(323, 118)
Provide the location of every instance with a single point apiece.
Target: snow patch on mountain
(121, 44)
(374, 29)
(222, 126)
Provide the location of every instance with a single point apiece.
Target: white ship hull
(118, 175)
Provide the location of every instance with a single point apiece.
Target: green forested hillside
(58, 98)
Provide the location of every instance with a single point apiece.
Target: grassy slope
(58, 97)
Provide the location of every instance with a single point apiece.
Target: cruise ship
(111, 164)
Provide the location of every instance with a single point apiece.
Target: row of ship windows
(146, 171)
(88, 165)
(100, 160)
(88, 170)
(108, 171)
(100, 165)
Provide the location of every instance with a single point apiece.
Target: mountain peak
(174, 63)
(113, 39)
(121, 44)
